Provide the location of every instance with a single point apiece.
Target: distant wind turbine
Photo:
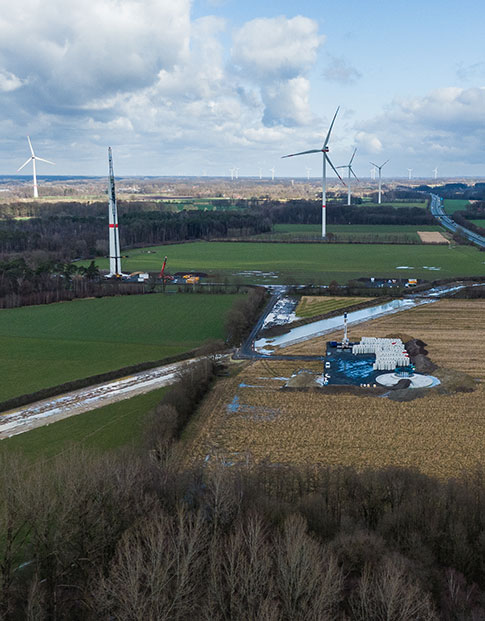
(373, 173)
(232, 171)
(350, 171)
(260, 173)
(410, 172)
(323, 151)
(308, 171)
(271, 170)
(435, 172)
(379, 168)
(32, 159)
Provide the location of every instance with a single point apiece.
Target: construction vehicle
(162, 276)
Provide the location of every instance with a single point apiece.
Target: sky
(181, 87)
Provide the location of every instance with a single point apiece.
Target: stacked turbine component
(389, 353)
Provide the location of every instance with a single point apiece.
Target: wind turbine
(271, 170)
(323, 151)
(379, 168)
(32, 159)
(232, 171)
(435, 172)
(308, 171)
(350, 170)
(410, 172)
(260, 174)
(373, 173)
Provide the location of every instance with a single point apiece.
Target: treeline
(141, 536)
(21, 284)
(457, 191)
(475, 211)
(83, 231)
(310, 212)
(68, 230)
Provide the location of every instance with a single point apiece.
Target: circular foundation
(417, 380)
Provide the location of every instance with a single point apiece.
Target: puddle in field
(404, 267)
(253, 412)
(431, 268)
(258, 273)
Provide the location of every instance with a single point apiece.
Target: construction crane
(162, 276)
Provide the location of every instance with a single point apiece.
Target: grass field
(309, 262)
(347, 232)
(452, 205)
(479, 222)
(42, 346)
(310, 306)
(249, 419)
(107, 428)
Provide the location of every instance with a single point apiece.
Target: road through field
(79, 401)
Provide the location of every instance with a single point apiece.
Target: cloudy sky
(181, 87)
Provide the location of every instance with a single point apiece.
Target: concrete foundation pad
(417, 380)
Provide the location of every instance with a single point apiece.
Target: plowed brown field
(248, 418)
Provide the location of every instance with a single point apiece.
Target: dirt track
(69, 404)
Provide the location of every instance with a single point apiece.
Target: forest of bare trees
(143, 534)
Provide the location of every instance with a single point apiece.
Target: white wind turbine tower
(260, 174)
(232, 171)
(114, 234)
(410, 173)
(32, 159)
(435, 173)
(373, 171)
(237, 173)
(379, 168)
(350, 171)
(323, 151)
(271, 170)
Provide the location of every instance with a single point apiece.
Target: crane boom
(163, 268)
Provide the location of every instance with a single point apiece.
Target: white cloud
(340, 70)
(9, 82)
(369, 143)
(286, 102)
(277, 48)
(71, 51)
(448, 123)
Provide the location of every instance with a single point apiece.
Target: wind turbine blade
(302, 153)
(385, 163)
(351, 170)
(41, 159)
(334, 169)
(23, 165)
(352, 158)
(375, 164)
(346, 166)
(30, 145)
(331, 126)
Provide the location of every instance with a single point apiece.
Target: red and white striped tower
(114, 236)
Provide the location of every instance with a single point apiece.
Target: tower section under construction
(114, 235)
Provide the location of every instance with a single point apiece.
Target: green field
(313, 306)
(479, 222)
(452, 205)
(391, 233)
(43, 346)
(110, 427)
(309, 263)
(421, 204)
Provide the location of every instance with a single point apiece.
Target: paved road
(444, 219)
(50, 410)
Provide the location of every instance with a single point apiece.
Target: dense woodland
(65, 231)
(143, 535)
